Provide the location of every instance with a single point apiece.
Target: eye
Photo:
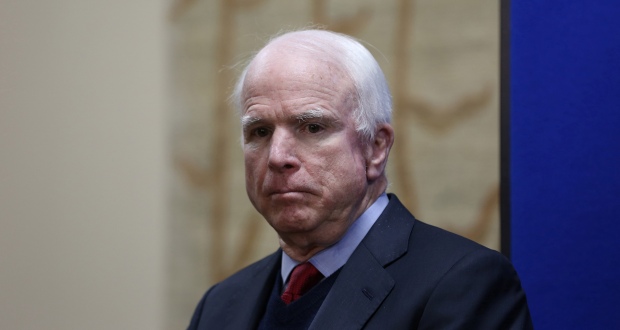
(261, 132)
(314, 128)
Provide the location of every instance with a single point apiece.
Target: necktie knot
(303, 278)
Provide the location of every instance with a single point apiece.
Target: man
(315, 111)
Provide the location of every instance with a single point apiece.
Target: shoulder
(435, 240)
(441, 252)
(453, 282)
(479, 285)
(423, 240)
(261, 269)
(218, 305)
(455, 253)
(431, 253)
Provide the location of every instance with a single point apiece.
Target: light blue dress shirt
(328, 261)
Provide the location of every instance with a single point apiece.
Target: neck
(300, 254)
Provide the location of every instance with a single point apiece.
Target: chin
(292, 223)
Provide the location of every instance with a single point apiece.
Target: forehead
(282, 66)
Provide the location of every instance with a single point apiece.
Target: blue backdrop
(565, 160)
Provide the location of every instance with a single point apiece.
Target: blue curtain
(565, 160)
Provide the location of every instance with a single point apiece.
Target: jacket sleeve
(480, 291)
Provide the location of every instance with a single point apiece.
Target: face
(304, 160)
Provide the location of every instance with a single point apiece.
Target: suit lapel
(358, 291)
(247, 306)
(363, 282)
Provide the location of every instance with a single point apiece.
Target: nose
(282, 152)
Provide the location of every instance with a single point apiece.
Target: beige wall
(84, 242)
(82, 164)
(441, 60)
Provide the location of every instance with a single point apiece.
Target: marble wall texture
(441, 58)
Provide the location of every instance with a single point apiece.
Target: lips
(287, 192)
(287, 186)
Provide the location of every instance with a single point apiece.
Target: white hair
(374, 100)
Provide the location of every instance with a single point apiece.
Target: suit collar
(363, 282)
(388, 239)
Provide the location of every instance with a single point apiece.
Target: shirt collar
(331, 259)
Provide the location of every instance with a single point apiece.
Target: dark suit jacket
(405, 274)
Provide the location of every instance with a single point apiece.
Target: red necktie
(303, 278)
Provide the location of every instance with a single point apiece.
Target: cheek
(342, 168)
(252, 167)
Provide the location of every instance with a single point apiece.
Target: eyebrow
(310, 114)
(247, 120)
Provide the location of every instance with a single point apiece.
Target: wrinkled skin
(308, 172)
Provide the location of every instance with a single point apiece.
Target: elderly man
(315, 112)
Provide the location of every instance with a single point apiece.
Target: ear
(378, 150)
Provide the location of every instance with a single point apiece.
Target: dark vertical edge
(504, 81)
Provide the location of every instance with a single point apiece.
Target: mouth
(289, 193)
